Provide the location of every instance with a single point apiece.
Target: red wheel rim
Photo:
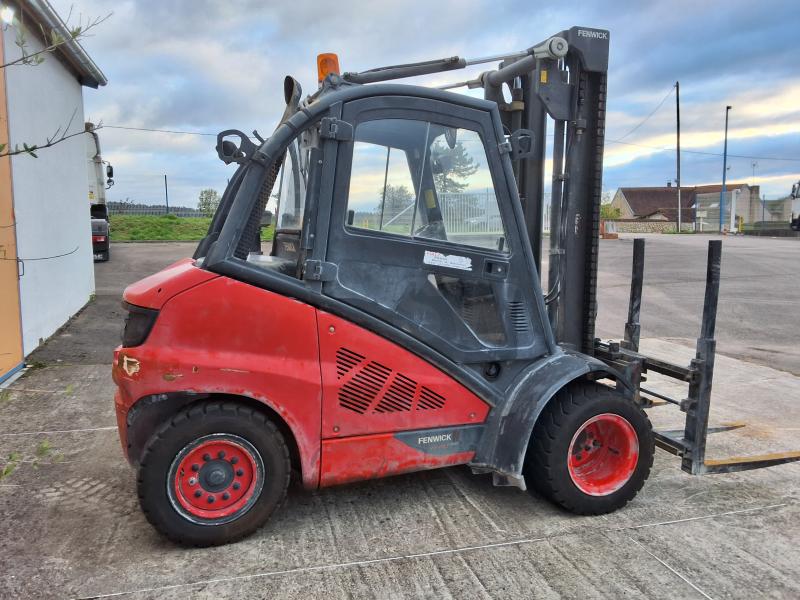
(603, 454)
(216, 478)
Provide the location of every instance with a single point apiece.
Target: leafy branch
(61, 134)
(53, 39)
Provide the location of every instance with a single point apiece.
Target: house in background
(699, 204)
(47, 271)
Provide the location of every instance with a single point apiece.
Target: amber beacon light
(327, 63)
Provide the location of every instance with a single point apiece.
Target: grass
(135, 228)
(164, 228)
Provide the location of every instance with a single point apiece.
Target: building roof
(647, 201)
(89, 74)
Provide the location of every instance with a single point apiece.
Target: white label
(451, 261)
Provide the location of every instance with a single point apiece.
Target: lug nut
(221, 454)
(198, 493)
(206, 457)
(237, 485)
(226, 496)
(195, 468)
(211, 499)
(239, 472)
(234, 460)
(192, 481)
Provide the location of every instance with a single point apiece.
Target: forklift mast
(572, 91)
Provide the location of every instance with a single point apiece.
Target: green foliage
(609, 212)
(459, 165)
(208, 201)
(10, 466)
(43, 449)
(166, 228)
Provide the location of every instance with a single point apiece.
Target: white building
(47, 271)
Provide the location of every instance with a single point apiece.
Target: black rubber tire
(546, 469)
(188, 425)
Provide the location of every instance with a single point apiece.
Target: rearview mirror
(234, 146)
(109, 171)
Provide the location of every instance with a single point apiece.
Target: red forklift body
(333, 383)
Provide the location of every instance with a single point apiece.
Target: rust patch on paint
(171, 376)
(130, 365)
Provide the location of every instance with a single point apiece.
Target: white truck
(100, 178)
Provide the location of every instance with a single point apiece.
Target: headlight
(138, 324)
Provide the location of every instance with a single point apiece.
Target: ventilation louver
(519, 316)
(370, 383)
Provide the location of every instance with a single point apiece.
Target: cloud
(204, 65)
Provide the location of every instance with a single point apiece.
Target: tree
(454, 164)
(208, 201)
(52, 39)
(394, 199)
(609, 212)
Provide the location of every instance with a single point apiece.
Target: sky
(204, 66)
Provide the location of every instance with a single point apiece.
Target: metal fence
(479, 213)
(154, 210)
(463, 213)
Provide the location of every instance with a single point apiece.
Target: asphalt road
(72, 528)
(759, 300)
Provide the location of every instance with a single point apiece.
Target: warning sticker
(451, 261)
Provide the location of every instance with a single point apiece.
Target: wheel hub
(603, 454)
(216, 475)
(215, 479)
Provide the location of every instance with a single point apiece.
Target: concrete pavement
(71, 524)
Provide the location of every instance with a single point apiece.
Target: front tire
(213, 474)
(591, 449)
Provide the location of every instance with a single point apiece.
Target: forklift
(397, 321)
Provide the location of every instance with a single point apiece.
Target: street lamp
(724, 174)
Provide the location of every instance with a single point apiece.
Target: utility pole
(724, 174)
(678, 121)
(166, 193)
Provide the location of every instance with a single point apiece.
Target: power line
(647, 118)
(156, 130)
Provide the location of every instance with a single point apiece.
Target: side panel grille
(370, 384)
(399, 396)
(345, 361)
(429, 400)
(519, 316)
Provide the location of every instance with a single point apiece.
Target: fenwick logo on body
(600, 35)
(432, 439)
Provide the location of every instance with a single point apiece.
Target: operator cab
(395, 205)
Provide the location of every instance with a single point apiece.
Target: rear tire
(213, 474)
(591, 449)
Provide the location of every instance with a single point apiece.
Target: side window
(465, 190)
(282, 202)
(421, 179)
